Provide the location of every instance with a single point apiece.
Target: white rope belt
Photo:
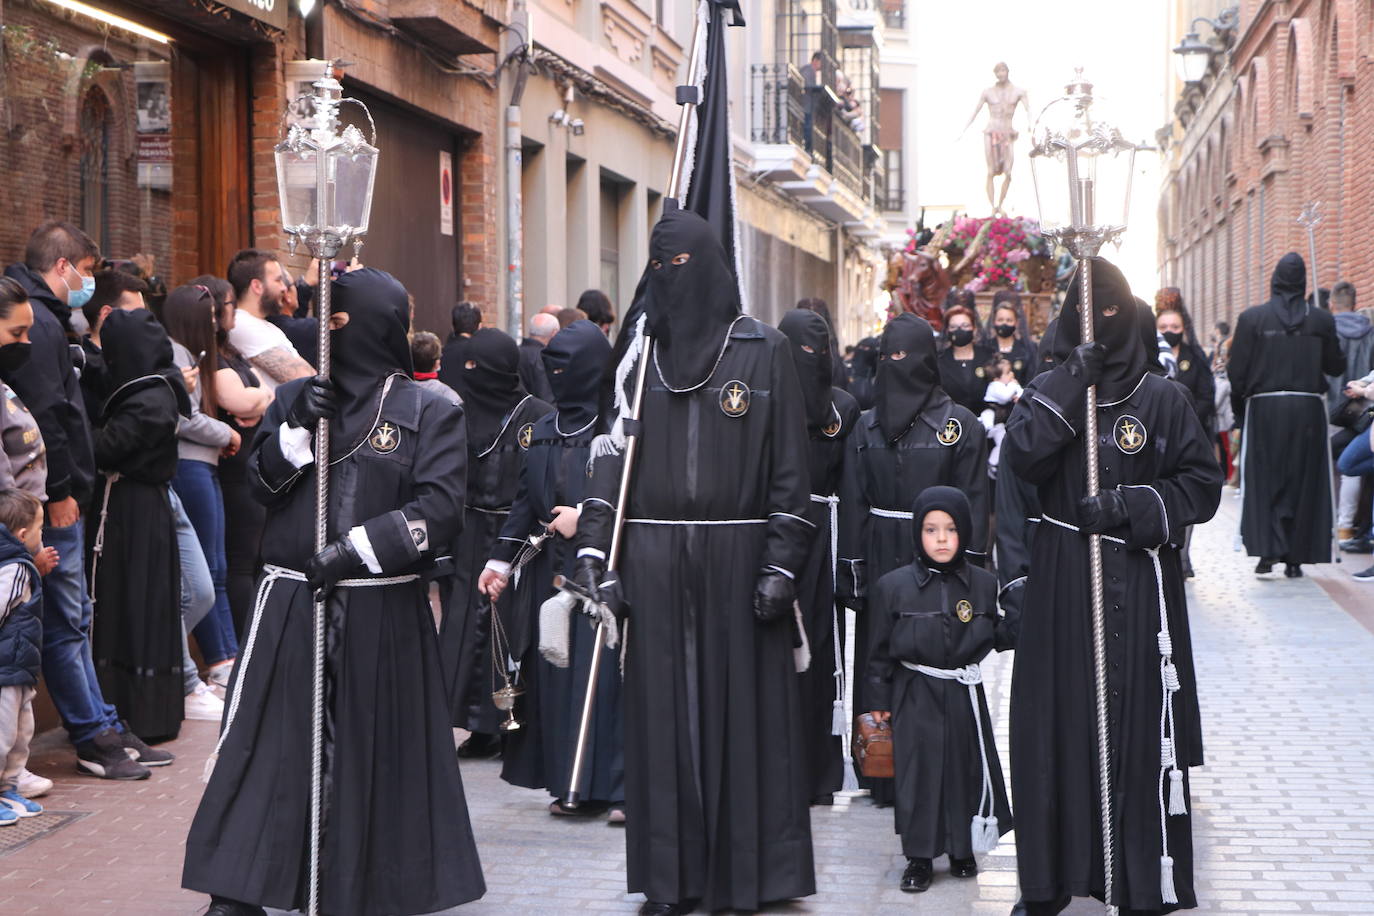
(111, 479)
(890, 513)
(837, 717)
(985, 835)
(1173, 803)
(502, 511)
(696, 521)
(1288, 394)
(270, 576)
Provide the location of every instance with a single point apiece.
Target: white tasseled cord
(1168, 751)
(839, 722)
(983, 830)
(613, 441)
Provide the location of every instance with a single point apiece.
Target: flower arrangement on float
(995, 253)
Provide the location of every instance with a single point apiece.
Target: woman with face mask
(1194, 369)
(963, 360)
(1008, 334)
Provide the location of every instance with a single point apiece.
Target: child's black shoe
(964, 868)
(917, 876)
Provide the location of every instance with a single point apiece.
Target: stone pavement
(1284, 809)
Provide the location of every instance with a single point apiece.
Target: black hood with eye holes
(1123, 333)
(905, 383)
(574, 359)
(810, 339)
(491, 382)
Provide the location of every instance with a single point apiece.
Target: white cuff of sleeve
(500, 567)
(295, 445)
(363, 544)
(779, 569)
(592, 552)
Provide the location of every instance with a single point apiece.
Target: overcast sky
(1123, 49)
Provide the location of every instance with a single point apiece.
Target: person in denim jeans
(1358, 460)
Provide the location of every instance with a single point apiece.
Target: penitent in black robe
(716, 795)
(1155, 451)
(493, 480)
(942, 620)
(1280, 355)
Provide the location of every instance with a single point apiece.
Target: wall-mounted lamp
(1194, 54)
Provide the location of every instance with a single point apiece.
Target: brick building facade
(1282, 119)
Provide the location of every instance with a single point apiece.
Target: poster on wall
(153, 86)
(445, 192)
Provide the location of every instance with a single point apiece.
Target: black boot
(1293, 571)
(1264, 566)
(963, 868)
(223, 906)
(650, 908)
(916, 878)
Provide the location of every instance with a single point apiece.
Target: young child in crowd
(933, 621)
(1002, 394)
(424, 355)
(21, 641)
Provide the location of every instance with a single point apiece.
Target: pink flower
(1018, 255)
(976, 284)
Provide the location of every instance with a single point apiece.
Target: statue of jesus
(999, 137)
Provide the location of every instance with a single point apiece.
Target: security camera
(559, 117)
(577, 127)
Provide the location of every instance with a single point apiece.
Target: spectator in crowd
(568, 316)
(189, 315)
(1353, 331)
(56, 275)
(963, 361)
(114, 289)
(302, 330)
(1008, 333)
(1221, 333)
(136, 566)
(425, 355)
(1358, 460)
(259, 283)
(532, 375)
(599, 310)
(467, 319)
(242, 400)
(21, 640)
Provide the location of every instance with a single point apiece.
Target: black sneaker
(142, 753)
(916, 878)
(1364, 575)
(1362, 544)
(104, 756)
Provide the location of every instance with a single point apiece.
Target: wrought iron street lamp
(1082, 168)
(325, 179)
(1194, 54)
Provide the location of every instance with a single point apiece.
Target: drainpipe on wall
(515, 243)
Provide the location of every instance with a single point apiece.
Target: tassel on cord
(985, 835)
(837, 718)
(851, 779)
(1176, 803)
(209, 770)
(613, 442)
(1167, 894)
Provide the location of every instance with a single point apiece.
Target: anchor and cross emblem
(1130, 434)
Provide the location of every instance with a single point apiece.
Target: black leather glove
(589, 572)
(334, 562)
(1102, 512)
(315, 401)
(774, 594)
(1085, 362)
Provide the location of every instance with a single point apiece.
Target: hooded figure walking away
(1158, 475)
(553, 483)
(500, 425)
(1279, 355)
(715, 536)
(915, 437)
(396, 833)
(830, 415)
(135, 570)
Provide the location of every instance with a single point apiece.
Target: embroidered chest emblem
(1184, 365)
(964, 609)
(1018, 365)
(1130, 434)
(734, 399)
(980, 372)
(525, 436)
(384, 439)
(950, 433)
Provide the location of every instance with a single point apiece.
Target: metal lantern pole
(1309, 219)
(344, 168)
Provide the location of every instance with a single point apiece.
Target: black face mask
(810, 336)
(1005, 330)
(573, 361)
(1122, 333)
(1173, 338)
(14, 355)
(961, 337)
(906, 384)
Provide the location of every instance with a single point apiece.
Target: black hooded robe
(831, 415)
(554, 473)
(863, 369)
(1155, 452)
(500, 424)
(934, 442)
(397, 838)
(135, 570)
(715, 783)
(945, 619)
(1279, 355)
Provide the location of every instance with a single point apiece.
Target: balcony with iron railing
(785, 110)
(894, 13)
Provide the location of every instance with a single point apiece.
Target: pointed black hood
(1121, 332)
(491, 384)
(574, 360)
(1288, 288)
(690, 305)
(810, 338)
(370, 347)
(908, 375)
(136, 348)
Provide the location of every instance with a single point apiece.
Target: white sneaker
(217, 675)
(31, 785)
(202, 703)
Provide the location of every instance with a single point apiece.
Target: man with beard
(1158, 476)
(500, 428)
(553, 479)
(715, 536)
(259, 283)
(1278, 356)
(914, 438)
(396, 833)
(830, 415)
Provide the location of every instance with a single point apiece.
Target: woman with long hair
(1008, 334)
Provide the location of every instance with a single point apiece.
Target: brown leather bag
(873, 747)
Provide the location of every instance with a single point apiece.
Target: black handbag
(1353, 413)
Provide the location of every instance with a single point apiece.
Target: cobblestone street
(1282, 809)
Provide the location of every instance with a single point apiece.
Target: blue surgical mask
(76, 298)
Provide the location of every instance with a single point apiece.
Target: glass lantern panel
(1049, 163)
(1081, 165)
(352, 177)
(297, 186)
